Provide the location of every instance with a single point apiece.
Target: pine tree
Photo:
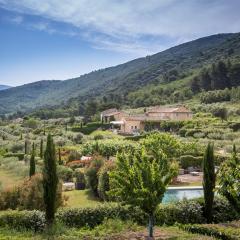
(32, 162)
(41, 149)
(50, 180)
(209, 179)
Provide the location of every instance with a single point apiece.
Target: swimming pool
(174, 194)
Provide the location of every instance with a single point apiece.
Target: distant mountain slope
(169, 65)
(3, 87)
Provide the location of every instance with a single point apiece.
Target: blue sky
(61, 39)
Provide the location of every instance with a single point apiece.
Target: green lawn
(81, 198)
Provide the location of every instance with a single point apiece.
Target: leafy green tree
(221, 113)
(170, 146)
(141, 180)
(50, 180)
(229, 180)
(32, 169)
(209, 179)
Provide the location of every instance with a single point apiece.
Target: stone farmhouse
(134, 123)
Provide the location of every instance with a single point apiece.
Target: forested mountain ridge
(3, 87)
(169, 66)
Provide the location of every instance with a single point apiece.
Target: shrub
(23, 220)
(16, 147)
(103, 180)
(90, 127)
(20, 156)
(91, 217)
(80, 179)
(28, 195)
(65, 173)
(191, 211)
(188, 211)
(190, 161)
(235, 126)
(9, 198)
(91, 175)
(98, 137)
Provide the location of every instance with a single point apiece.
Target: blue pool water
(173, 195)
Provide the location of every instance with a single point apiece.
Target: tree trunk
(150, 226)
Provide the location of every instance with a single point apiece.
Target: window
(135, 127)
(131, 127)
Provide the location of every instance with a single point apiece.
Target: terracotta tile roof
(159, 109)
(145, 118)
(111, 110)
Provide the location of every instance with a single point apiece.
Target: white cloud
(17, 19)
(123, 25)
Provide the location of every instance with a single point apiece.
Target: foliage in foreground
(185, 212)
(224, 232)
(209, 179)
(141, 178)
(229, 175)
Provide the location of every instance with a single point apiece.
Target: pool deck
(186, 188)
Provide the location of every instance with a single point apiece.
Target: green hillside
(118, 84)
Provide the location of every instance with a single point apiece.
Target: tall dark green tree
(50, 180)
(32, 169)
(60, 162)
(209, 180)
(41, 148)
(26, 147)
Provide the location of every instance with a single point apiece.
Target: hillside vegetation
(116, 86)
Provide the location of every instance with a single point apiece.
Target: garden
(69, 180)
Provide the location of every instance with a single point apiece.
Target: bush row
(23, 220)
(184, 212)
(190, 161)
(20, 156)
(212, 231)
(90, 127)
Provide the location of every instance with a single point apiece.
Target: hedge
(20, 156)
(211, 230)
(190, 161)
(27, 220)
(90, 127)
(191, 211)
(93, 216)
(183, 212)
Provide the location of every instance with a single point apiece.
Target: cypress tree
(32, 162)
(209, 179)
(25, 147)
(41, 148)
(59, 157)
(50, 180)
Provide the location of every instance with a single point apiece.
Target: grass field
(81, 198)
